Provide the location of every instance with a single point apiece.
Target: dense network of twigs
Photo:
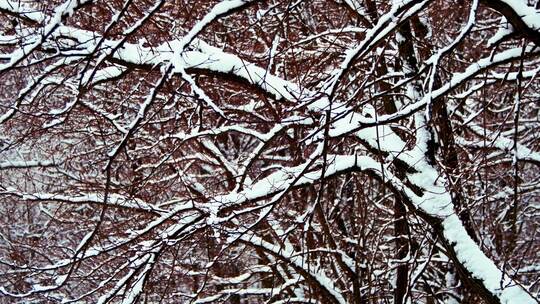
(296, 151)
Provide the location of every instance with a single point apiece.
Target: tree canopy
(283, 151)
